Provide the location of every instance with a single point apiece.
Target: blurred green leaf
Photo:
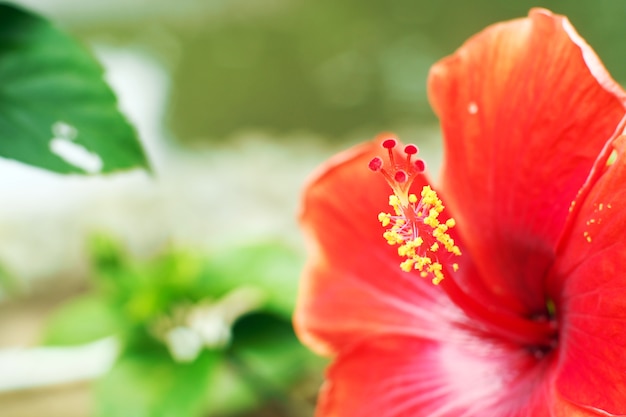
(143, 290)
(82, 320)
(272, 267)
(269, 347)
(263, 368)
(150, 384)
(229, 394)
(53, 101)
(8, 283)
(140, 291)
(264, 365)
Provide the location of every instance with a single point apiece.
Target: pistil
(414, 225)
(423, 241)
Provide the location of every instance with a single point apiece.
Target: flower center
(547, 318)
(414, 224)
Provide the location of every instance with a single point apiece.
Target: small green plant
(199, 335)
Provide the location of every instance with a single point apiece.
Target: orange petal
(588, 284)
(400, 376)
(525, 107)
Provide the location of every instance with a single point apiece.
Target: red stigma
(399, 173)
(389, 143)
(400, 176)
(376, 163)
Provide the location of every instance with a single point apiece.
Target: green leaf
(269, 358)
(268, 348)
(265, 368)
(229, 394)
(271, 267)
(8, 284)
(149, 384)
(82, 320)
(54, 102)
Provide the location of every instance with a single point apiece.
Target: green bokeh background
(338, 69)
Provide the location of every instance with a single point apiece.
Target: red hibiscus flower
(529, 317)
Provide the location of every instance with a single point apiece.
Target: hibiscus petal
(403, 376)
(352, 286)
(561, 407)
(525, 107)
(589, 288)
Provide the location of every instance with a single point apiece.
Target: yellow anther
(571, 206)
(435, 269)
(394, 202)
(430, 197)
(416, 221)
(431, 219)
(422, 261)
(438, 278)
(384, 219)
(407, 265)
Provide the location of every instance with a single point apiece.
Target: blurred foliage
(54, 101)
(261, 364)
(8, 283)
(148, 383)
(333, 68)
